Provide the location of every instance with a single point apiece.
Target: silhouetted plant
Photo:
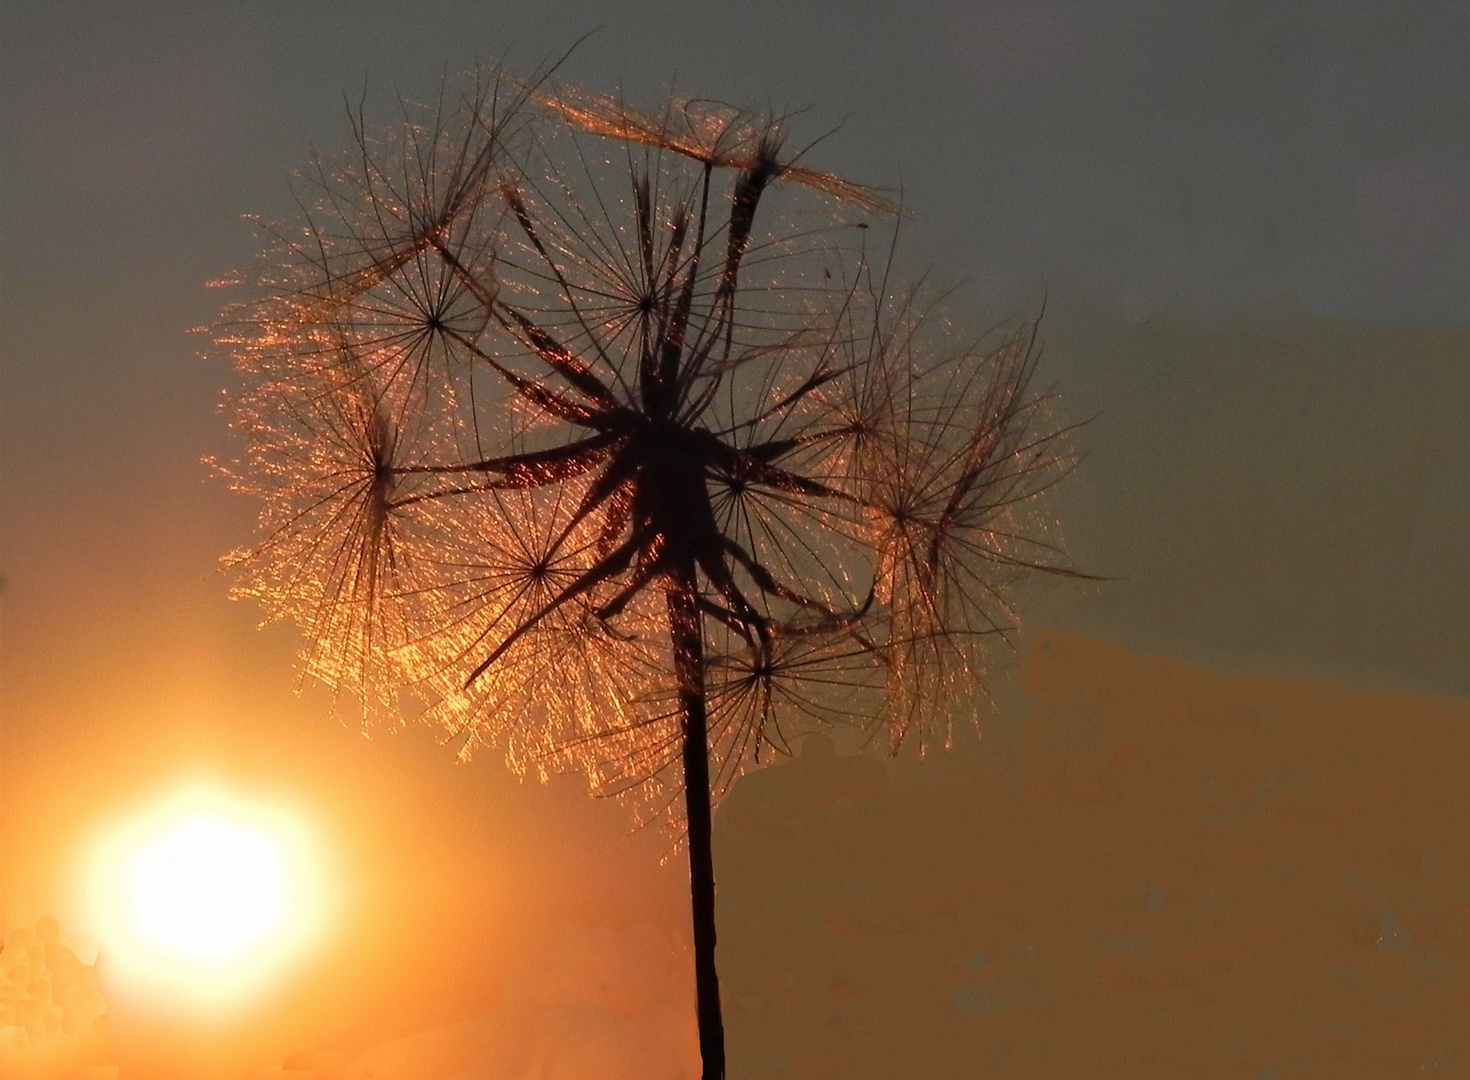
(608, 434)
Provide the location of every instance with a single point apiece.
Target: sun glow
(206, 896)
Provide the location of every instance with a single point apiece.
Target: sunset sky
(1249, 223)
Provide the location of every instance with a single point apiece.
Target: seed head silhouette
(610, 436)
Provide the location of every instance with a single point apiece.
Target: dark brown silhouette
(608, 435)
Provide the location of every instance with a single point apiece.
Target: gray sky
(1127, 159)
(1124, 159)
(1153, 153)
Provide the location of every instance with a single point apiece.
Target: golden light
(207, 896)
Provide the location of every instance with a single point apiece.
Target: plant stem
(688, 638)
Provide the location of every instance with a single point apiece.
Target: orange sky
(126, 666)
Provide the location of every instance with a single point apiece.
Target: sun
(207, 895)
(208, 889)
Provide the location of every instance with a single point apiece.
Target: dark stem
(685, 626)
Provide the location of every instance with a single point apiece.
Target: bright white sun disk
(208, 889)
(207, 896)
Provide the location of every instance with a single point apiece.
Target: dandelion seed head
(563, 414)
